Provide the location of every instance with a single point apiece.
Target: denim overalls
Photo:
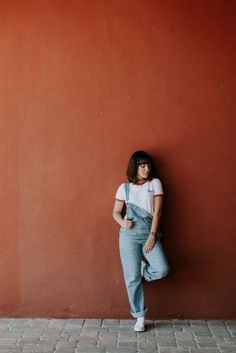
(131, 244)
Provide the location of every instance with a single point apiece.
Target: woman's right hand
(117, 211)
(127, 224)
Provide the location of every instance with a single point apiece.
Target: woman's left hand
(150, 242)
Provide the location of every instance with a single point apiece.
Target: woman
(139, 232)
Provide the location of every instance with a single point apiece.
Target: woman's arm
(124, 223)
(158, 202)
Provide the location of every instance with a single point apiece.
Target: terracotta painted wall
(83, 84)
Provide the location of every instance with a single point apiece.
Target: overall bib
(131, 244)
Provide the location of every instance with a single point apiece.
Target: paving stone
(35, 348)
(167, 344)
(215, 323)
(230, 322)
(200, 335)
(28, 340)
(184, 336)
(198, 322)
(53, 330)
(110, 323)
(150, 327)
(22, 321)
(74, 323)
(164, 325)
(90, 350)
(163, 322)
(227, 345)
(3, 330)
(187, 344)
(108, 335)
(66, 345)
(11, 350)
(8, 346)
(7, 340)
(197, 329)
(90, 332)
(230, 339)
(178, 322)
(127, 323)
(92, 323)
(57, 323)
(48, 345)
(87, 342)
(173, 350)
(219, 330)
(71, 330)
(121, 350)
(147, 334)
(147, 345)
(40, 322)
(165, 335)
(202, 350)
(48, 335)
(127, 344)
(148, 350)
(169, 329)
(220, 334)
(207, 339)
(127, 333)
(6, 321)
(48, 341)
(14, 333)
(45, 349)
(5, 350)
(207, 344)
(135, 338)
(107, 343)
(32, 333)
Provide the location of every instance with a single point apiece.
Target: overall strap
(127, 191)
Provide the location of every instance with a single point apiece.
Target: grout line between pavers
(98, 337)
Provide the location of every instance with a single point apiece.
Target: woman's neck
(140, 181)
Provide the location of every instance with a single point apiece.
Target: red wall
(83, 84)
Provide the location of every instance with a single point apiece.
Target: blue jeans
(131, 244)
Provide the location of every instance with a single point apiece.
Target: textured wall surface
(83, 84)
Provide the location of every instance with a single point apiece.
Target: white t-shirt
(141, 195)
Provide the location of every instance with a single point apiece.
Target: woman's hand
(124, 223)
(127, 224)
(150, 242)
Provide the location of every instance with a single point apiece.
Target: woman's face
(143, 171)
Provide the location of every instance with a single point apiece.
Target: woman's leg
(131, 254)
(157, 266)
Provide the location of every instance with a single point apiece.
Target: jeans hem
(139, 314)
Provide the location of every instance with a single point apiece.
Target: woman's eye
(144, 165)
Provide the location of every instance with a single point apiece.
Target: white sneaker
(140, 324)
(143, 265)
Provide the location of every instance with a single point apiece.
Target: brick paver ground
(116, 336)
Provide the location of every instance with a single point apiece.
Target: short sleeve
(120, 194)
(157, 187)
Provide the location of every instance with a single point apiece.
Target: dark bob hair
(137, 158)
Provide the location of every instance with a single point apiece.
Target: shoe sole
(139, 329)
